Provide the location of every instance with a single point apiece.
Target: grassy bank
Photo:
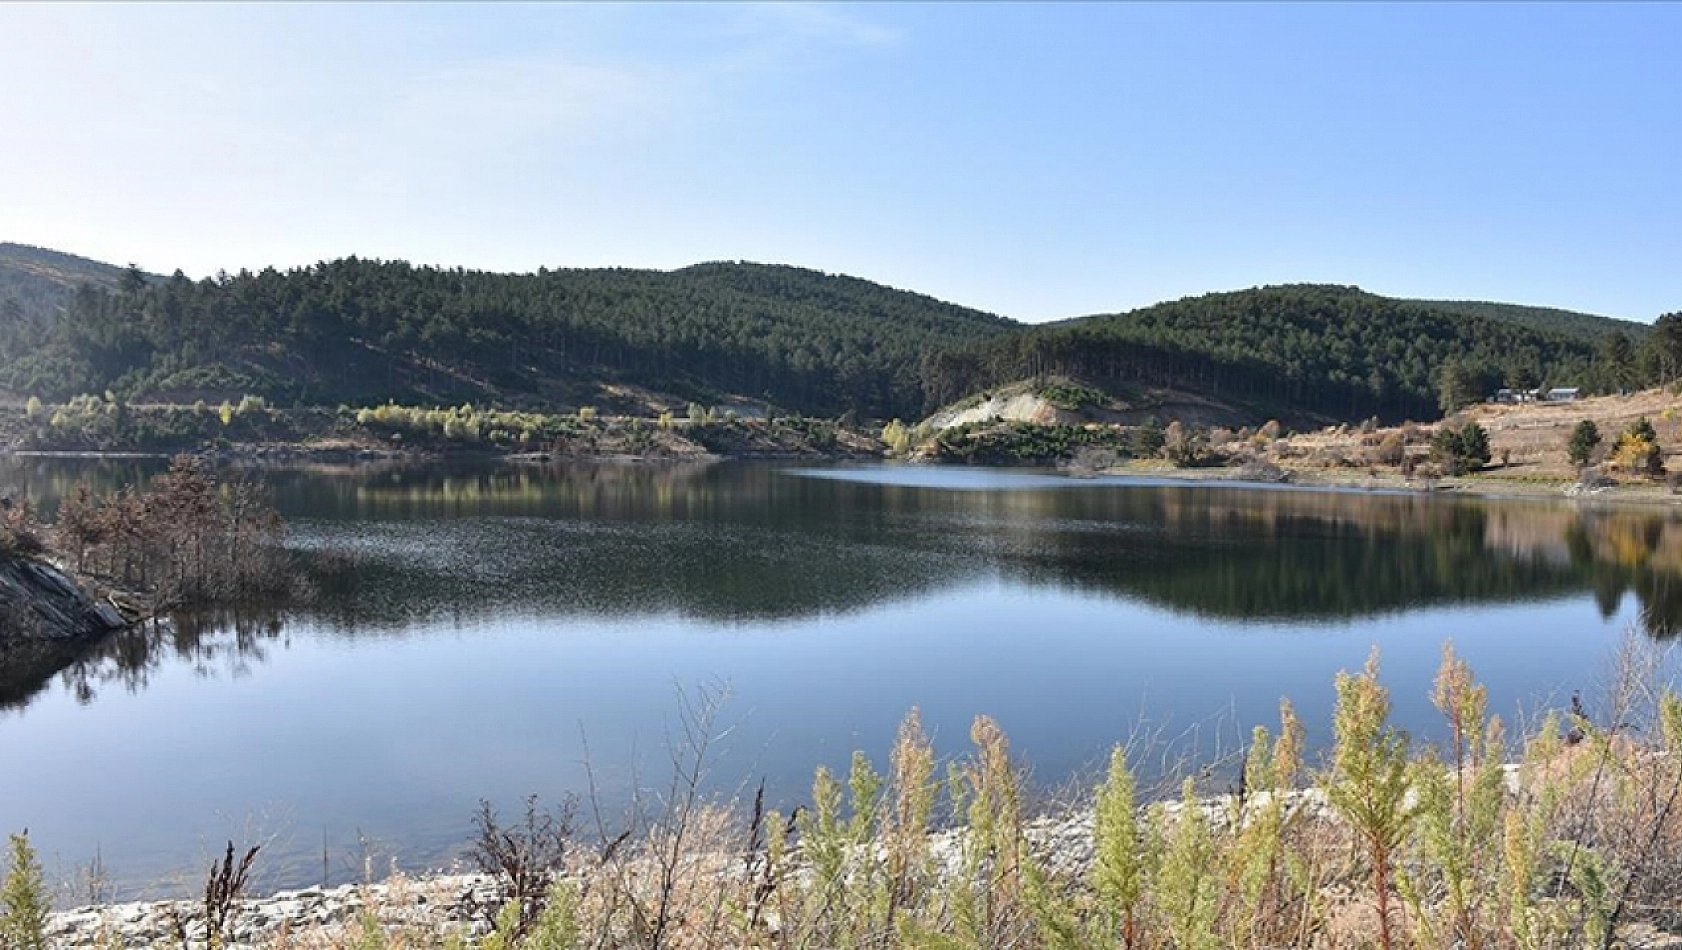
(1383, 843)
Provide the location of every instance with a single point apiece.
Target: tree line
(1331, 351)
(365, 331)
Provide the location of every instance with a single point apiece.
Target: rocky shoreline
(435, 907)
(443, 903)
(42, 603)
(437, 904)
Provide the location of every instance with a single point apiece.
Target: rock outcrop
(39, 602)
(47, 623)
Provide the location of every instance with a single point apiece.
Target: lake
(495, 631)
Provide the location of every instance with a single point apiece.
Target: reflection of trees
(392, 548)
(739, 575)
(1632, 551)
(226, 642)
(1306, 558)
(45, 480)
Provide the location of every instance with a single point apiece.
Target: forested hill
(1583, 326)
(1331, 351)
(360, 331)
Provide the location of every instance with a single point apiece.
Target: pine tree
(1584, 438)
(23, 900)
(1474, 446)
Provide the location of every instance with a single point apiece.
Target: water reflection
(221, 643)
(390, 549)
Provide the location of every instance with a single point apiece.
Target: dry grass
(1527, 442)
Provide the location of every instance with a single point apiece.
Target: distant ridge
(357, 331)
(1301, 351)
(1585, 326)
(38, 281)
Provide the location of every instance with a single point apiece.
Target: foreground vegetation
(1386, 843)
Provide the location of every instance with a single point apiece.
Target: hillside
(1583, 326)
(363, 331)
(1295, 351)
(36, 285)
(360, 332)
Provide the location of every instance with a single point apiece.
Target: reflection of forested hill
(1300, 566)
(393, 549)
(745, 544)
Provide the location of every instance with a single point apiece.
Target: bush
(1071, 396)
(1460, 450)
(1391, 449)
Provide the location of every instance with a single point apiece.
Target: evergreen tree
(1474, 446)
(1617, 363)
(1457, 386)
(23, 900)
(1584, 439)
(1665, 345)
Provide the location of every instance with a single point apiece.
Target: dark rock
(40, 602)
(47, 622)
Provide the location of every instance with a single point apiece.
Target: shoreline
(1489, 486)
(439, 903)
(1493, 487)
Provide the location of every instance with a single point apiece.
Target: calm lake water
(498, 631)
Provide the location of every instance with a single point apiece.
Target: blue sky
(1040, 161)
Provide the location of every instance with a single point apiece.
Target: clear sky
(1039, 161)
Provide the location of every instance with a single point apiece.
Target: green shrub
(23, 899)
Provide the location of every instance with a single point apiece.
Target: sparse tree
(1368, 783)
(1146, 441)
(1182, 444)
(1392, 448)
(1638, 450)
